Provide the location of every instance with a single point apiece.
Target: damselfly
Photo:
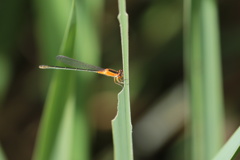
(80, 66)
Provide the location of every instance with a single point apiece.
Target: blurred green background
(31, 33)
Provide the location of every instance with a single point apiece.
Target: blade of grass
(121, 125)
(203, 73)
(87, 49)
(2, 155)
(231, 147)
(52, 17)
(63, 147)
(57, 97)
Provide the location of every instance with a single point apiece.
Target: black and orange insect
(80, 66)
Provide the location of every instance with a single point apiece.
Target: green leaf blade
(121, 125)
(122, 129)
(58, 94)
(231, 148)
(203, 78)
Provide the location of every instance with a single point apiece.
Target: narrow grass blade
(231, 148)
(63, 146)
(87, 49)
(121, 125)
(2, 155)
(51, 19)
(204, 80)
(56, 99)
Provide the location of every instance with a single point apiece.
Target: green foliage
(203, 73)
(2, 155)
(121, 125)
(231, 148)
(58, 95)
(64, 129)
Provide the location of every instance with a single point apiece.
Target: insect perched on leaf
(80, 66)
